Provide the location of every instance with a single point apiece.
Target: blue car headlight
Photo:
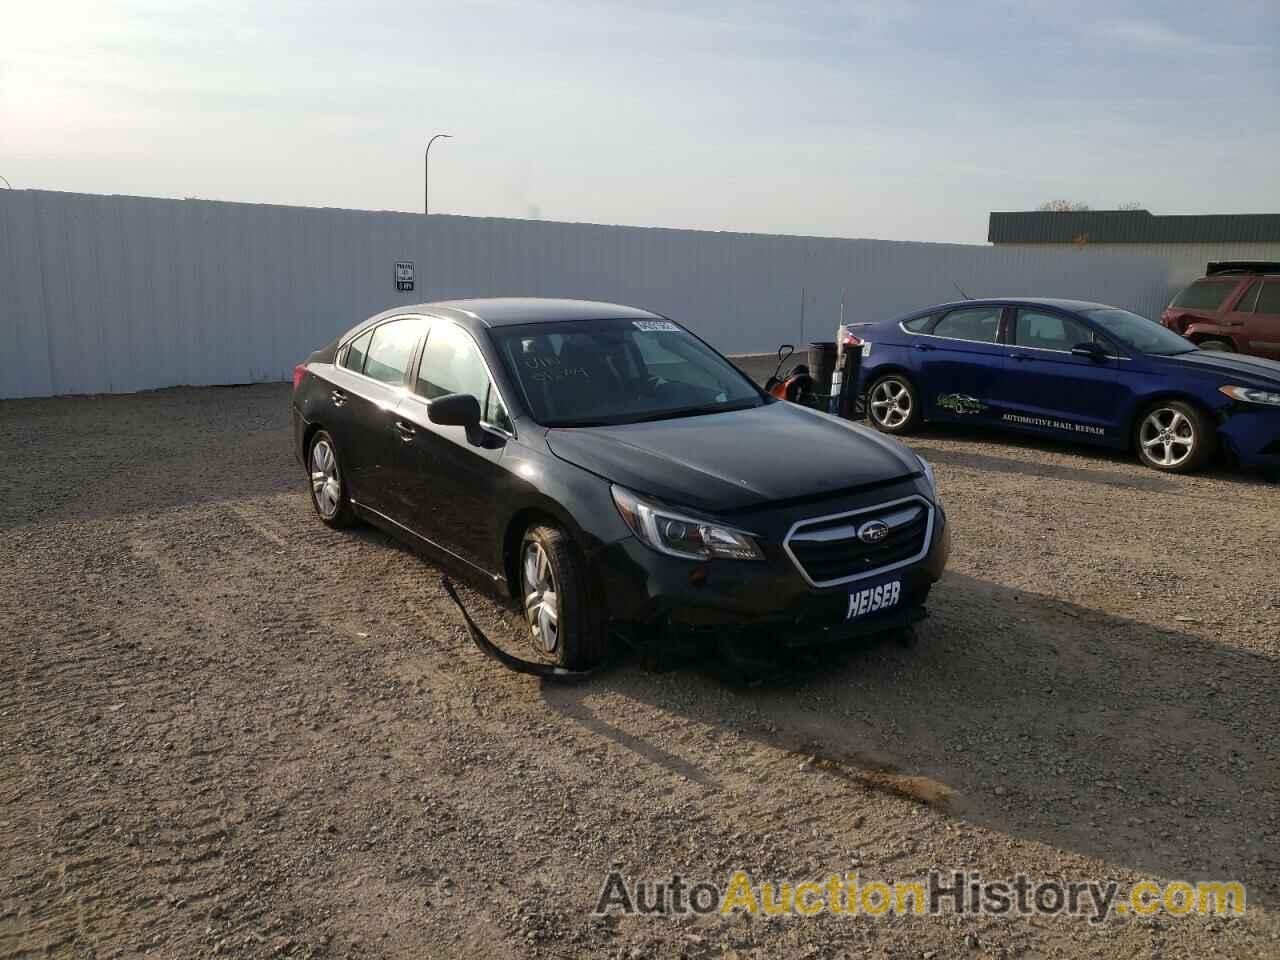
(1252, 395)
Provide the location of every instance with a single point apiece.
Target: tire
(1174, 436)
(893, 404)
(1214, 343)
(328, 483)
(569, 628)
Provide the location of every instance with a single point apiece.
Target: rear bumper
(641, 586)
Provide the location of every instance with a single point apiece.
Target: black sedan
(610, 472)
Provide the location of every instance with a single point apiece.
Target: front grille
(828, 551)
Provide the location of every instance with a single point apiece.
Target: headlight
(1252, 395)
(674, 533)
(928, 471)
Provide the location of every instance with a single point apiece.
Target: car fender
(1205, 399)
(542, 484)
(891, 364)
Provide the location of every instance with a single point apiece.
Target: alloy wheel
(540, 597)
(1168, 437)
(326, 486)
(891, 403)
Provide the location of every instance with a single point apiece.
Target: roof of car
(1058, 302)
(505, 311)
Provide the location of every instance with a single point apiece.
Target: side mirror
(1090, 350)
(455, 410)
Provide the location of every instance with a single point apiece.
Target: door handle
(406, 432)
(338, 397)
(1019, 356)
(924, 346)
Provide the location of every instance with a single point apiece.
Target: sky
(891, 119)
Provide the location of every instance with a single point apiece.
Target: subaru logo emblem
(873, 531)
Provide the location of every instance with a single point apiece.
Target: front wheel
(1175, 437)
(1214, 343)
(893, 404)
(562, 622)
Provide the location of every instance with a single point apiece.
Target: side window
(918, 324)
(1269, 298)
(1049, 331)
(981, 324)
(391, 350)
(1204, 295)
(451, 363)
(1246, 303)
(356, 349)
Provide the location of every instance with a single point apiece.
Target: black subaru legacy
(610, 472)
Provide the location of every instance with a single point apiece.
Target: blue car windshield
(1139, 333)
(582, 373)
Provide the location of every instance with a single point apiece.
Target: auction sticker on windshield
(649, 326)
(873, 599)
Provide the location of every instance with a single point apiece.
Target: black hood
(1257, 371)
(730, 461)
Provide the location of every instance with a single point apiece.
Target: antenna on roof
(961, 289)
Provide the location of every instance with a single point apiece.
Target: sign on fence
(404, 275)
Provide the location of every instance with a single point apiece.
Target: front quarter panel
(1251, 432)
(536, 483)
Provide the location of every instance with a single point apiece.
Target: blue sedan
(1069, 368)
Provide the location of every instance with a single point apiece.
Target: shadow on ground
(1043, 720)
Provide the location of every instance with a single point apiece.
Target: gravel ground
(228, 730)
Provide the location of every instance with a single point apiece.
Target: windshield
(1139, 333)
(597, 372)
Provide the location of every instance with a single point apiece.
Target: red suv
(1235, 306)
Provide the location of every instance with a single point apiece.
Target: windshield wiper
(623, 419)
(694, 411)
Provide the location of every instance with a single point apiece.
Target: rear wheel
(328, 486)
(1175, 436)
(893, 404)
(563, 624)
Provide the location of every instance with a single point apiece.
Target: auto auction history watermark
(940, 893)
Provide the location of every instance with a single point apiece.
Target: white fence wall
(103, 294)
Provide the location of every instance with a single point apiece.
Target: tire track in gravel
(69, 686)
(206, 600)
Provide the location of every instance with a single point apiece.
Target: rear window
(918, 324)
(354, 359)
(1269, 298)
(981, 324)
(1204, 295)
(392, 350)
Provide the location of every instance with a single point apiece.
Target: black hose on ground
(493, 651)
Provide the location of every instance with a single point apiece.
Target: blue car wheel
(1175, 436)
(893, 404)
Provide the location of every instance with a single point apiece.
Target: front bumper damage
(698, 601)
(1252, 433)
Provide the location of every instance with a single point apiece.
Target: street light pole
(426, 172)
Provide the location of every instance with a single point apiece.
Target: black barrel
(849, 403)
(822, 363)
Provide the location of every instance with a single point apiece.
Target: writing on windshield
(590, 372)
